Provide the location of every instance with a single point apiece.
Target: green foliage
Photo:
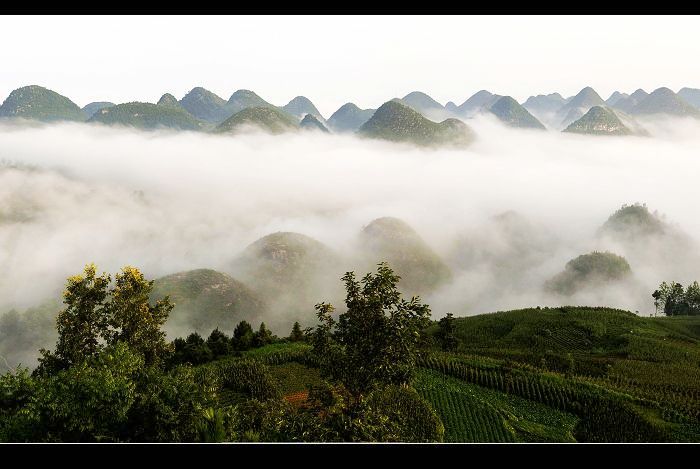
(90, 109)
(242, 336)
(310, 122)
(599, 120)
(394, 241)
(192, 350)
(604, 415)
(269, 119)
(250, 377)
(472, 413)
(219, 343)
(38, 103)
(349, 118)
(374, 343)
(23, 334)
(446, 333)
(133, 320)
(206, 299)
(97, 315)
(294, 377)
(297, 335)
(82, 324)
(415, 421)
(205, 105)
(112, 396)
(675, 301)
(396, 122)
(263, 336)
(634, 220)
(589, 269)
(147, 116)
(513, 114)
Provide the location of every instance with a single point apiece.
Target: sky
(336, 59)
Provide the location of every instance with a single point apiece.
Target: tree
(134, 321)
(219, 343)
(297, 335)
(242, 336)
(82, 324)
(192, 350)
(375, 342)
(692, 298)
(263, 336)
(446, 333)
(674, 301)
(97, 316)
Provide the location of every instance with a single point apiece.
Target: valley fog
(166, 202)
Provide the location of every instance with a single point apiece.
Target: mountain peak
(664, 101)
(310, 122)
(400, 123)
(510, 112)
(39, 103)
(301, 106)
(168, 100)
(349, 118)
(599, 120)
(205, 105)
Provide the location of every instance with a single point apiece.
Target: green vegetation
(375, 342)
(38, 103)
(513, 114)
(147, 116)
(244, 99)
(90, 109)
(473, 413)
(205, 299)
(291, 270)
(378, 371)
(399, 123)
(269, 119)
(599, 120)
(205, 105)
(394, 241)
(349, 118)
(589, 270)
(169, 100)
(310, 122)
(673, 300)
(633, 221)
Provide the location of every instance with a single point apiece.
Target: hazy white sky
(333, 60)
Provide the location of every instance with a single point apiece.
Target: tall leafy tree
(218, 343)
(446, 334)
(242, 336)
(297, 335)
(375, 342)
(133, 320)
(83, 325)
(692, 298)
(263, 336)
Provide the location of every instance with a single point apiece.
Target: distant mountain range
(416, 118)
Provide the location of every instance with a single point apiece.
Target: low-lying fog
(71, 194)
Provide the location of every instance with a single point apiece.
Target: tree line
(674, 300)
